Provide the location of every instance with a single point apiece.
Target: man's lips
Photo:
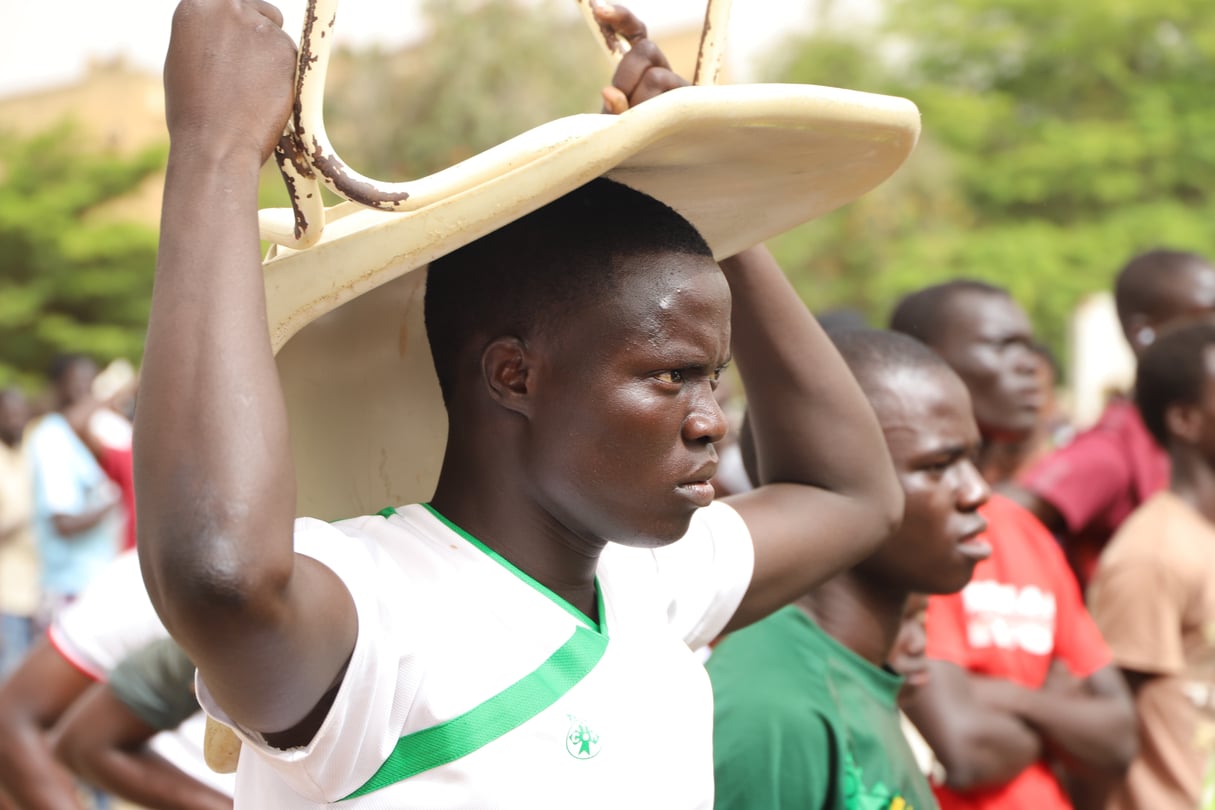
(973, 544)
(697, 487)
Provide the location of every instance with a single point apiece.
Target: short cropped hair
(61, 364)
(924, 314)
(1173, 371)
(873, 355)
(1142, 283)
(545, 267)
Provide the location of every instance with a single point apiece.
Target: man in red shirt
(1019, 678)
(1083, 491)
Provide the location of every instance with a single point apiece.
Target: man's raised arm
(214, 477)
(828, 496)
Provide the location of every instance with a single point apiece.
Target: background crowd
(1074, 668)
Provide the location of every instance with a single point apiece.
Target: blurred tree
(70, 281)
(1058, 140)
(487, 71)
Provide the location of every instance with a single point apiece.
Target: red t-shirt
(1021, 611)
(118, 463)
(1098, 479)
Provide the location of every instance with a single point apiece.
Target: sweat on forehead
(927, 314)
(530, 273)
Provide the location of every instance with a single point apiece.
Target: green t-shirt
(800, 721)
(157, 684)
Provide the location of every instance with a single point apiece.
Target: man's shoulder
(1163, 532)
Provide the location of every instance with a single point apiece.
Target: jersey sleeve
(707, 573)
(1143, 634)
(112, 619)
(1082, 480)
(363, 724)
(157, 684)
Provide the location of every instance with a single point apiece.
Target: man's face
(933, 440)
(1204, 411)
(908, 655)
(76, 382)
(14, 413)
(625, 418)
(988, 341)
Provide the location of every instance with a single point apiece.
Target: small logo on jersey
(581, 740)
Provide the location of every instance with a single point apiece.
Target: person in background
(909, 659)
(18, 554)
(1153, 594)
(77, 509)
(104, 738)
(1086, 489)
(806, 710)
(1019, 679)
(1011, 459)
(107, 435)
(111, 620)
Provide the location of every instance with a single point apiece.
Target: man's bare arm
(32, 699)
(828, 494)
(978, 744)
(106, 744)
(269, 631)
(1092, 724)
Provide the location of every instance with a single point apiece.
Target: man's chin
(653, 536)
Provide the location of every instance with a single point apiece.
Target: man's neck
(862, 615)
(1193, 480)
(489, 508)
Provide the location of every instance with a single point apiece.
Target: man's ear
(508, 373)
(1184, 421)
(1140, 331)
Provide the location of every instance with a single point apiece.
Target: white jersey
(473, 686)
(112, 619)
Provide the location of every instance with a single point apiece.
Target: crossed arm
(985, 730)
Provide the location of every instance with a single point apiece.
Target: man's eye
(673, 377)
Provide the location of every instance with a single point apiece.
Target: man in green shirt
(805, 706)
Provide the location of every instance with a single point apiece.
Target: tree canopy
(71, 281)
(1058, 141)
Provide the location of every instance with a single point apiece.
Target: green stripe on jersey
(523, 575)
(503, 713)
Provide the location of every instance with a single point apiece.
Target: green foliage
(1059, 140)
(69, 281)
(490, 70)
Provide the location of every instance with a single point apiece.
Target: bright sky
(51, 43)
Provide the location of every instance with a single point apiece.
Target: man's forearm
(1095, 729)
(1090, 728)
(141, 776)
(978, 745)
(29, 773)
(213, 467)
(73, 525)
(788, 364)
